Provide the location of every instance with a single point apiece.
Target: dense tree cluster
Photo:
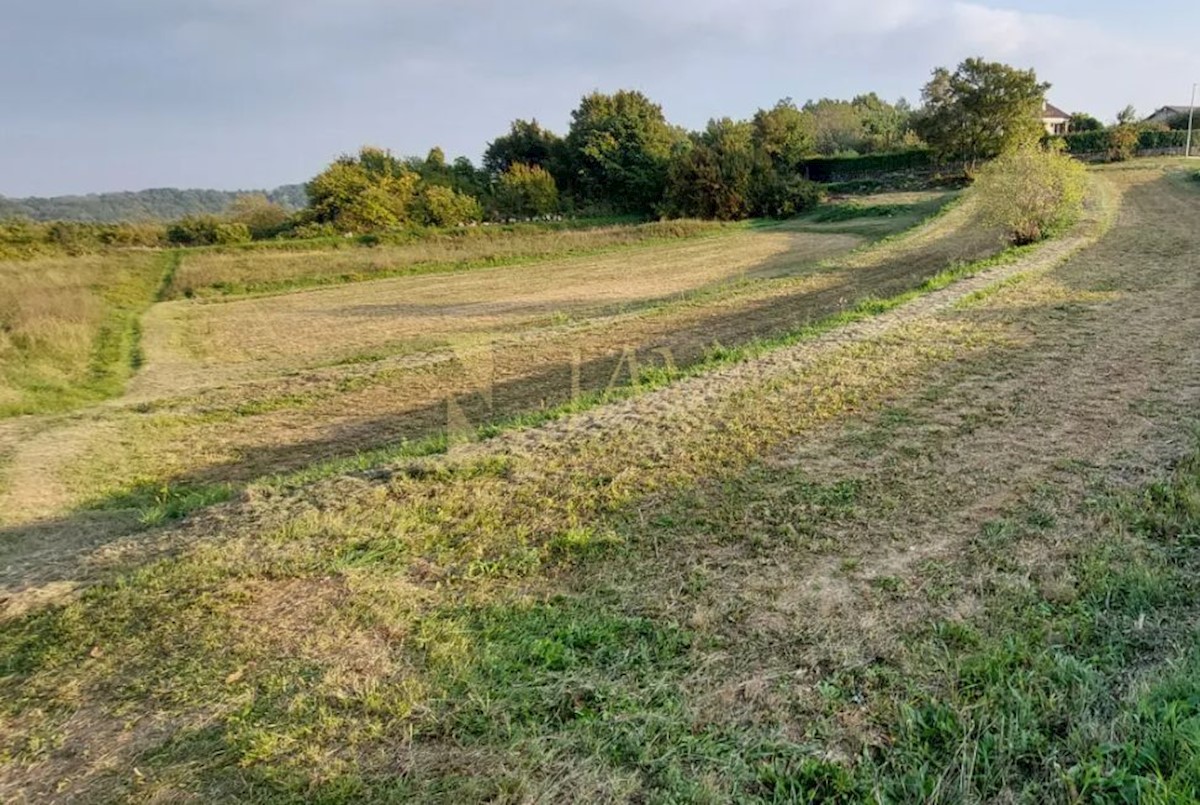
(619, 155)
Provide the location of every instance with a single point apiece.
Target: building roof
(1049, 110)
(1173, 110)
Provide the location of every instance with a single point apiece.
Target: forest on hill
(160, 204)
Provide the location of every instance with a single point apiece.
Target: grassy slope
(191, 451)
(235, 272)
(685, 328)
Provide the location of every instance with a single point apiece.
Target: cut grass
(676, 327)
(630, 613)
(186, 498)
(210, 273)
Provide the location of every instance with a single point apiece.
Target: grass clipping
(1032, 192)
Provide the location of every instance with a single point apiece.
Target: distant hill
(161, 204)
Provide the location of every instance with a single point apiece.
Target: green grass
(849, 211)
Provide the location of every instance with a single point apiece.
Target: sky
(105, 95)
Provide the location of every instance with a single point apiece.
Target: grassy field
(240, 271)
(68, 327)
(234, 390)
(849, 557)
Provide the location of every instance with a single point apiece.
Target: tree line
(620, 155)
(160, 204)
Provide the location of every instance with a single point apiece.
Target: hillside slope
(158, 204)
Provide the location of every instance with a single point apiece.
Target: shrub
(526, 190)
(263, 217)
(23, 239)
(207, 230)
(1122, 143)
(443, 206)
(779, 195)
(1031, 192)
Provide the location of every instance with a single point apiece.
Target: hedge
(1092, 142)
(830, 169)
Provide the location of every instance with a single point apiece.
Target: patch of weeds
(1029, 700)
(158, 503)
(832, 213)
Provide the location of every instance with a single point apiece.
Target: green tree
(980, 110)
(437, 205)
(884, 125)
(727, 174)
(713, 178)
(358, 194)
(526, 190)
(526, 143)
(1127, 116)
(837, 126)
(1081, 121)
(1031, 192)
(618, 148)
(784, 133)
(1122, 142)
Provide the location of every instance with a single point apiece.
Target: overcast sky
(126, 94)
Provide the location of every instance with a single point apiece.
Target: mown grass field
(234, 390)
(922, 528)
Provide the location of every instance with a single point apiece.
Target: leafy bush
(263, 217)
(727, 175)
(1031, 192)
(23, 239)
(442, 206)
(207, 230)
(1122, 143)
(779, 195)
(526, 190)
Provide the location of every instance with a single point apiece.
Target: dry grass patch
(68, 327)
(219, 273)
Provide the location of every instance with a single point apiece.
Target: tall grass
(240, 271)
(68, 327)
